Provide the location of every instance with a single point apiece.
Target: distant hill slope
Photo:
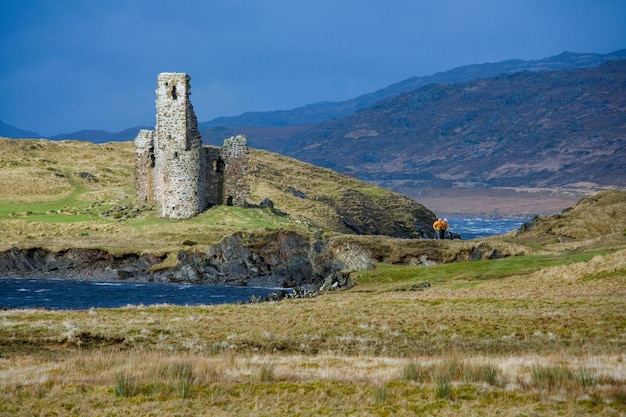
(101, 136)
(527, 129)
(317, 112)
(10, 131)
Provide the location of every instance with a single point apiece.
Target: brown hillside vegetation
(535, 129)
(600, 217)
(325, 198)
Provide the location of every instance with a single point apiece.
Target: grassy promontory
(72, 194)
(538, 334)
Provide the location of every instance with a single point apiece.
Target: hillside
(599, 220)
(14, 132)
(78, 194)
(538, 130)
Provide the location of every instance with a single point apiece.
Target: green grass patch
(468, 271)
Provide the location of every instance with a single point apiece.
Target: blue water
(79, 295)
(472, 228)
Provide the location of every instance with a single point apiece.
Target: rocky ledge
(268, 259)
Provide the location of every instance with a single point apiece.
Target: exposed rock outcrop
(267, 259)
(73, 263)
(277, 259)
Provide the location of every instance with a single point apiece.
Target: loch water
(64, 294)
(471, 228)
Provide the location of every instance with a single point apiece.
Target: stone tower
(175, 172)
(178, 152)
(235, 188)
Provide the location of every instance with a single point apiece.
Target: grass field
(538, 334)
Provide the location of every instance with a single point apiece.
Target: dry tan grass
(100, 367)
(595, 217)
(551, 342)
(35, 184)
(27, 161)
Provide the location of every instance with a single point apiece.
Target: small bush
(587, 378)
(266, 373)
(182, 373)
(452, 369)
(415, 372)
(380, 394)
(490, 374)
(550, 377)
(409, 372)
(125, 385)
(480, 373)
(444, 389)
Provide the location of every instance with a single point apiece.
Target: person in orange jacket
(439, 232)
(445, 227)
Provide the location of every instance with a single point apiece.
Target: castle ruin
(175, 172)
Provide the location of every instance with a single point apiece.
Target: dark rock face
(283, 259)
(73, 263)
(279, 259)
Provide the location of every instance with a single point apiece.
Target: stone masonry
(175, 172)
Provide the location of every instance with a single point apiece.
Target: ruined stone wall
(214, 176)
(179, 187)
(235, 155)
(144, 166)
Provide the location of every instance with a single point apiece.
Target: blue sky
(92, 64)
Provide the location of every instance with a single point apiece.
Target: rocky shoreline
(277, 259)
(281, 259)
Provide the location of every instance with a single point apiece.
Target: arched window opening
(174, 95)
(219, 165)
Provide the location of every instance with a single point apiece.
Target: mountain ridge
(317, 112)
(526, 129)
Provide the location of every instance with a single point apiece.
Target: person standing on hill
(438, 226)
(445, 227)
